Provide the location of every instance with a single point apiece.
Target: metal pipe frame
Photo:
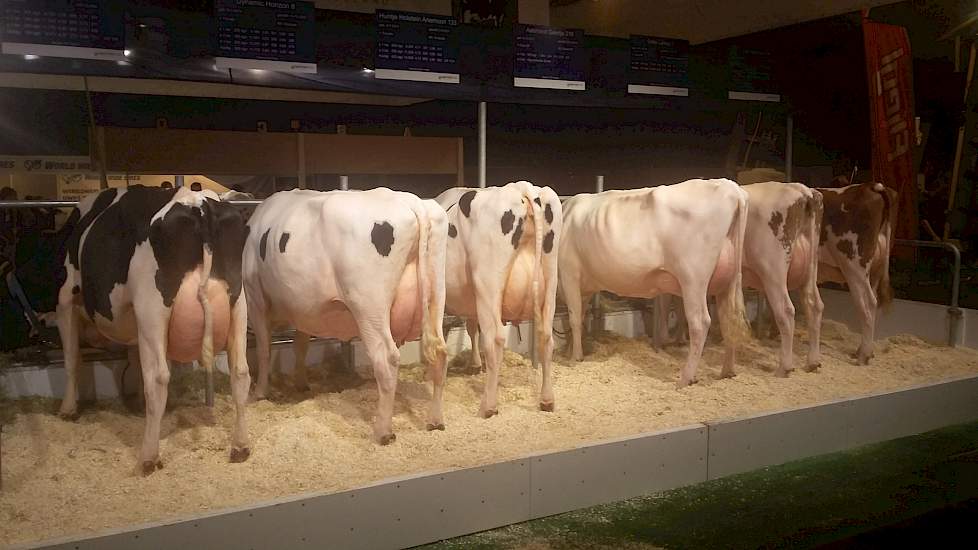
(953, 311)
(72, 204)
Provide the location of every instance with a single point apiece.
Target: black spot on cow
(518, 234)
(382, 236)
(507, 221)
(282, 241)
(75, 289)
(845, 246)
(452, 230)
(465, 203)
(548, 213)
(263, 244)
(228, 235)
(113, 237)
(537, 200)
(177, 240)
(548, 241)
(102, 201)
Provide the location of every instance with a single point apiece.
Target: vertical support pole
(301, 144)
(98, 137)
(482, 144)
(178, 180)
(789, 134)
(597, 317)
(346, 348)
(460, 164)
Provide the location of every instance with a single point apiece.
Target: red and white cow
(502, 266)
(685, 239)
(781, 254)
(161, 269)
(345, 263)
(857, 236)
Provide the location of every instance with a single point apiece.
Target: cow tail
(532, 197)
(814, 222)
(432, 347)
(733, 321)
(884, 292)
(207, 342)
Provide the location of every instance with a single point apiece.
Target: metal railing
(954, 313)
(72, 204)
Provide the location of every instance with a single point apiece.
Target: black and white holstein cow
(685, 239)
(502, 266)
(781, 254)
(340, 264)
(159, 269)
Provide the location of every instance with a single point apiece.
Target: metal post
(954, 313)
(301, 144)
(789, 147)
(597, 316)
(346, 348)
(178, 181)
(482, 144)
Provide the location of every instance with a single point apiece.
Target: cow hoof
(302, 388)
(150, 466)
(685, 383)
(70, 416)
(254, 398)
(388, 439)
(439, 426)
(782, 373)
(240, 454)
(490, 413)
(813, 367)
(547, 407)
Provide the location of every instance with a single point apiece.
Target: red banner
(889, 69)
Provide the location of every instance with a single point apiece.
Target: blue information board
(750, 75)
(658, 66)
(547, 57)
(266, 34)
(87, 29)
(416, 46)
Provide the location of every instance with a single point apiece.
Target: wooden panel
(169, 151)
(357, 154)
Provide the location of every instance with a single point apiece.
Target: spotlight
(30, 57)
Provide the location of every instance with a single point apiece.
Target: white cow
(345, 263)
(502, 266)
(685, 239)
(781, 254)
(161, 269)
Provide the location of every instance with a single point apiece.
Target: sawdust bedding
(66, 479)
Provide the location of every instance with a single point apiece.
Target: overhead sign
(266, 34)
(44, 164)
(416, 46)
(750, 75)
(83, 29)
(548, 57)
(658, 66)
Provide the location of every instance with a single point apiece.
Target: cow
(855, 245)
(159, 269)
(685, 239)
(502, 266)
(781, 254)
(345, 263)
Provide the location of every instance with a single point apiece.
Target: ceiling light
(368, 71)
(126, 52)
(30, 57)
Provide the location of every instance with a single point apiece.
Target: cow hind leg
(263, 350)
(301, 348)
(240, 379)
(698, 321)
(813, 316)
(156, 380)
(472, 328)
(783, 312)
(68, 327)
(575, 314)
(865, 300)
(375, 333)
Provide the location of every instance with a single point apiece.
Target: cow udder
(186, 329)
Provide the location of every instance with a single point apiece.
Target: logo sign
(44, 165)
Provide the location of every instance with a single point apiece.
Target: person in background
(167, 185)
(195, 186)
(8, 224)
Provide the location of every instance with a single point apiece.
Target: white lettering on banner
(887, 87)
